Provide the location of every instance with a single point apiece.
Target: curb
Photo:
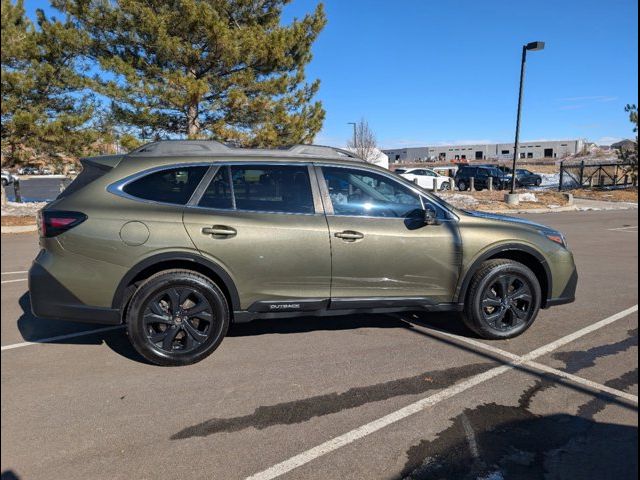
(19, 228)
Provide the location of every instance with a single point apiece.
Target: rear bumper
(50, 299)
(568, 295)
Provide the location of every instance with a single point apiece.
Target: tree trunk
(193, 125)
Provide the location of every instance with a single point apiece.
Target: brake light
(53, 223)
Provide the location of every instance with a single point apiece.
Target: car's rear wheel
(445, 186)
(538, 182)
(503, 299)
(177, 317)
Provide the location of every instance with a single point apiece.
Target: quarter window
(359, 193)
(174, 185)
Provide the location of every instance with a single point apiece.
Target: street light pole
(355, 144)
(516, 151)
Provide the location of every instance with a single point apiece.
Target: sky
(429, 72)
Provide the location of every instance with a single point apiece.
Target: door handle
(349, 235)
(219, 230)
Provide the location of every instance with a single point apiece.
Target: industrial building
(493, 151)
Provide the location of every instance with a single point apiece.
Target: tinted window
(272, 188)
(360, 193)
(175, 185)
(218, 193)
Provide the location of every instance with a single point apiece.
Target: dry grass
(620, 195)
(15, 221)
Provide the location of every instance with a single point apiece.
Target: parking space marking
(16, 280)
(15, 273)
(60, 337)
(529, 363)
(416, 407)
(629, 229)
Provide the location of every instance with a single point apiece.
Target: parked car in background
(428, 179)
(177, 239)
(28, 170)
(481, 177)
(8, 178)
(526, 178)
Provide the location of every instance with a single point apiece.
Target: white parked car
(427, 178)
(8, 178)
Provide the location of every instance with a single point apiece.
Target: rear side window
(174, 185)
(261, 188)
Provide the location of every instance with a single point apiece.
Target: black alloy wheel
(177, 317)
(507, 302)
(503, 299)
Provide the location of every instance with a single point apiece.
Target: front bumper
(568, 295)
(50, 299)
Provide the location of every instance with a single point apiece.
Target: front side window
(261, 188)
(174, 185)
(356, 192)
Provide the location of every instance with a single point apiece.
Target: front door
(264, 226)
(380, 254)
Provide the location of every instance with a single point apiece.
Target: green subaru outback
(179, 238)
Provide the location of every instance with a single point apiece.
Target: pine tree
(223, 69)
(46, 108)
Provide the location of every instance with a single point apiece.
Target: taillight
(53, 223)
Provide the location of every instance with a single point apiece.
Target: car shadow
(34, 329)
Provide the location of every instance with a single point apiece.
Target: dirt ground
(494, 200)
(621, 195)
(13, 221)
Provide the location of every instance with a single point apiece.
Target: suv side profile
(179, 238)
(481, 175)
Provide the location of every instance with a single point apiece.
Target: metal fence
(589, 175)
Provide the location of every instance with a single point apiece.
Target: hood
(505, 218)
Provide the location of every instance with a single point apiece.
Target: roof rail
(208, 147)
(322, 150)
(181, 147)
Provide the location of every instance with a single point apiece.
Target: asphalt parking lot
(360, 397)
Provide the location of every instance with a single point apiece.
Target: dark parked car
(525, 178)
(481, 177)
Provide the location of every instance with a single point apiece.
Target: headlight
(555, 236)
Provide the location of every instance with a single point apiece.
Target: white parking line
(60, 337)
(628, 229)
(16, 280)
(416, 407)
(15, 273)
(535, 365)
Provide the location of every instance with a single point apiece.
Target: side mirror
(430, 216)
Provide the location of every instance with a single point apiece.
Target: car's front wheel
(503, 299)
(445, 186)
(462, 185)
(177, 317)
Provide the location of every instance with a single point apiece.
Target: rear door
(382, 256)
(264, 224)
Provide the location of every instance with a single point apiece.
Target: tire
(538, 182)
(445, 186)
(462, 185)
(496, 314)
(5, 182)
(161, 328)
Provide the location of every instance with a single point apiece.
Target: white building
(494, 151)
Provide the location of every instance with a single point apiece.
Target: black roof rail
(212, 147)
(181, 147)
